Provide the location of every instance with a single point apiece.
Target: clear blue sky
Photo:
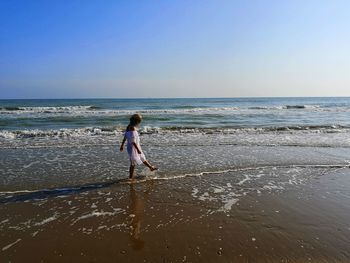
(70, 49)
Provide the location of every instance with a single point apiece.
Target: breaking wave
(92, 109)
(48, 109)
(111, 131)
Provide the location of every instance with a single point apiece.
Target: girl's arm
(137, 148)
(122, 145)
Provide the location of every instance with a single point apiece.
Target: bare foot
(153, 168)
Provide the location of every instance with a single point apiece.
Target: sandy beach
(286, 213)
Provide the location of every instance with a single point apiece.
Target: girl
(133, 146)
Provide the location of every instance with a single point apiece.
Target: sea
(65, 142)
(62, 118)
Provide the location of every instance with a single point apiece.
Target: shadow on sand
(22, 196)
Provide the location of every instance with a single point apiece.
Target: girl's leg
(152, 168)
(131, 171)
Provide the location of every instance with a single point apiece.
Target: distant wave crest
(49, 109)
(286, 107)
(92, 109)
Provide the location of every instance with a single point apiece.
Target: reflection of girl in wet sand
(137, 206)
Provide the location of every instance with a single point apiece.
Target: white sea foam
(195, 190)
(30, 164)
(19, 110)
(260, 180)
(10, 245)
(324, 135)
(96, 213)
(93, 110)
(218, 189)
(47, 220)
(246, 178)
(271, 186)
(229, 203)
(218, 194)
(4, 221)
(79, 132)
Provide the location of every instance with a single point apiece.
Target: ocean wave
(302, 106)
(111, 131)
(287, 107)
(96, 110)
(314, 128)
(49, 109)
(36, 133)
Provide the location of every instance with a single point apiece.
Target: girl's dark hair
(135, 119)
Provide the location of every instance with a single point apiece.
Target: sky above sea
(123, 49)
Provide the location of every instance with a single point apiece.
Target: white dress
(135, 157)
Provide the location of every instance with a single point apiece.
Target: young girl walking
(133, 145)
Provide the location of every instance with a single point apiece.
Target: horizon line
(133, 98)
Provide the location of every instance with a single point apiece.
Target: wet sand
(269, 214)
